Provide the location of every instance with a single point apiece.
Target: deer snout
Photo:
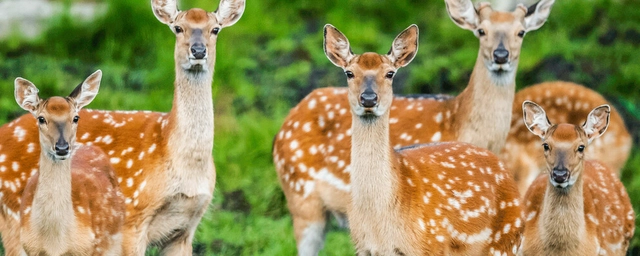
(198, 50)
(501, 56)
(368, 99)
(560, 174)
(61, 147)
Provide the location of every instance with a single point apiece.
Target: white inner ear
(30, 98)
(539, 120)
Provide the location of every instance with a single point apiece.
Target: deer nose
(62, 147)
(369, 99)
(199, 51)
(500, 56)
(560, 174)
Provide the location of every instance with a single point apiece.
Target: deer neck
(52, 212)
(191, 117)
(562, 222)
(373, 181)
(482, 112)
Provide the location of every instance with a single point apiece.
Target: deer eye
(75, 119)
(41, 120)
(349, 74)
(546, 146)
(390, 74)
(581, 148)
(215, 31)
(521, 33)
(481, 32)
(178, 29)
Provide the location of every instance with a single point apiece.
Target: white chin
(506, 68)
(361, 111)
(194, 64)
(560, 185)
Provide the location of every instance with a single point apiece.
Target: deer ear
(597, 122)
(336, 46)
(537, 14)
(463, 13)
(535, 119)
(404, 47)
(164, 10)
(229, 12)
(26, 95)
(84, 93)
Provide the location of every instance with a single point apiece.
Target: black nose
(198, 50)
(500, 56)
(369, 99)
(560, 174)
(62, 148)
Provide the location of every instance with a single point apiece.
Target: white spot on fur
(436, 137)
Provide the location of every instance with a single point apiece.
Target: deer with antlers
(312, 149)
(72, 204)
(163, 161)
(565, 103)
(580, 207)
(428, 199)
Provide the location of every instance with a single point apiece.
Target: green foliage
(273, 57)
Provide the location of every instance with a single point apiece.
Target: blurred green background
(273, 57)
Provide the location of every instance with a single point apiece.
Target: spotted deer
(316, 133)
(72, 204)
(580, 207)
(427, 199)
(565, 102)
(163, 161)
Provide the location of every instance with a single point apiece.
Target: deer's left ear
(404, 47)
(229, 12)
(84, 93)
(597, 122)
(537, 14)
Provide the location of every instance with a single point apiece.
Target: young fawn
(316, 133)
(567, 103)
(72, 204)
(163, 161)
(580, 207)
(433, 199)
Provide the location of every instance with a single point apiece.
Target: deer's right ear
(463, 13)
(535, 119)
(26, 95)
(336, 46)
(84, 93)
(164, 10)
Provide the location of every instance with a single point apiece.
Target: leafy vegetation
(273, 57)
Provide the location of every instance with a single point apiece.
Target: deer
(579, 207)
(315, 134)
(72, 204)
(566, 102)
(163, 161)
(427, 199)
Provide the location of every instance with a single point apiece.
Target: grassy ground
(273, 57)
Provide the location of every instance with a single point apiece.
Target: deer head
(500, 33)
(564, 144)
(370, 75)
(197, 31)
(57, 117)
